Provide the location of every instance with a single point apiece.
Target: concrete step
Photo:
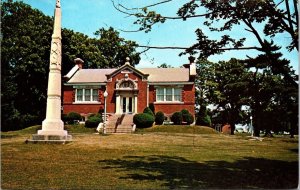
(114, 126)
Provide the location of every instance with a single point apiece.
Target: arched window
(127, 84)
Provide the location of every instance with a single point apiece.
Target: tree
(264, 20)
(164, 65)
(275, 17)
(26, 38)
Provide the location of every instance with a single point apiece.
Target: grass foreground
(154, 158)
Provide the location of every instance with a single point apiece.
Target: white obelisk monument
(53, 126)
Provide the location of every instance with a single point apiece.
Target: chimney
(79, 62)
(192, 66)
(191, 59)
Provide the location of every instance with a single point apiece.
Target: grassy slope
(179, 129)
(150, 160)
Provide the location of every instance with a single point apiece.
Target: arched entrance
(126, 96)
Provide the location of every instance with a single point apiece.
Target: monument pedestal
(52, 132)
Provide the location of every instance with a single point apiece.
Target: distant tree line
(230, 86)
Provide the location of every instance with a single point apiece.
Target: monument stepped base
(47, 139)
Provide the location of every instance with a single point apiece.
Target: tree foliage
(221, 17)
(263, 81)
(26, 37)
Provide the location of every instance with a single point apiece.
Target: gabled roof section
(127, 66)
(167, 74)
(71, 72)
(90, 76)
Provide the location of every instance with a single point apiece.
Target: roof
(155, 75)
(167, 74)
(90, 75)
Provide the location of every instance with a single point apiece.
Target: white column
(135, 103)
(118, 104)
(147, 95)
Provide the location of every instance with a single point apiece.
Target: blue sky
(87, 16)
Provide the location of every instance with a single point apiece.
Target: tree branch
(184, 48)
(254, 32)
(164, 17)
(147, 6)
(289, 15)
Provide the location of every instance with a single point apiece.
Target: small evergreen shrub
(147, 110)
(176, 118)
(93, 122)
(159, 118)
(203, 118)
(184, 111)
(203, 121)
(188, 118)
(73, 116)
(95, 115)
(143, 120)
(152, 108)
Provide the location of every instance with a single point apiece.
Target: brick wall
(188, 101)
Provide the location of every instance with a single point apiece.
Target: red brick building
(129, 89)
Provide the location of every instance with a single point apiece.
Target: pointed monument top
(57, 3)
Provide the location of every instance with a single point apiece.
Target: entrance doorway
(127, 105)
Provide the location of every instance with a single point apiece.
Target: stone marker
(53, 126)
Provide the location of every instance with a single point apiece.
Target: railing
(119, 121)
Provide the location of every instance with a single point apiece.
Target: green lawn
(156, 158)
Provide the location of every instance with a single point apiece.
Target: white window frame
(165, 94)
(83, 95)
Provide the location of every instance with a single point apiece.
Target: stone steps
(114, 125)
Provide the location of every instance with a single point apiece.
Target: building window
(168, 94)
(86, 95)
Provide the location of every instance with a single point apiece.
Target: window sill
(86, 102)
(168, 102)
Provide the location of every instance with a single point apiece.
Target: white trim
(72, 72)
(169, 83)
(85, 84)
(96, 103)
(170, 102)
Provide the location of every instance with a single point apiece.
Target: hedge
(73, 116)
(143, 120)
(176, 118)
(93, 122)
(159, 118)
(147, 110)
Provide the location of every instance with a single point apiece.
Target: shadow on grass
(177, 172)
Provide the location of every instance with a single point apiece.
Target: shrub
(184, 111)
(159, 118)
(95, 115)
(93, 122)
(204, 121)
(143, 120)
(147, 110)
(176, 118)
(73, 116)
(188, 118)
(202, 118)
(152, 108)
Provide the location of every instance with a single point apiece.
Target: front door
(127, 104)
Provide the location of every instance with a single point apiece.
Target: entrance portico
(126, 95)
